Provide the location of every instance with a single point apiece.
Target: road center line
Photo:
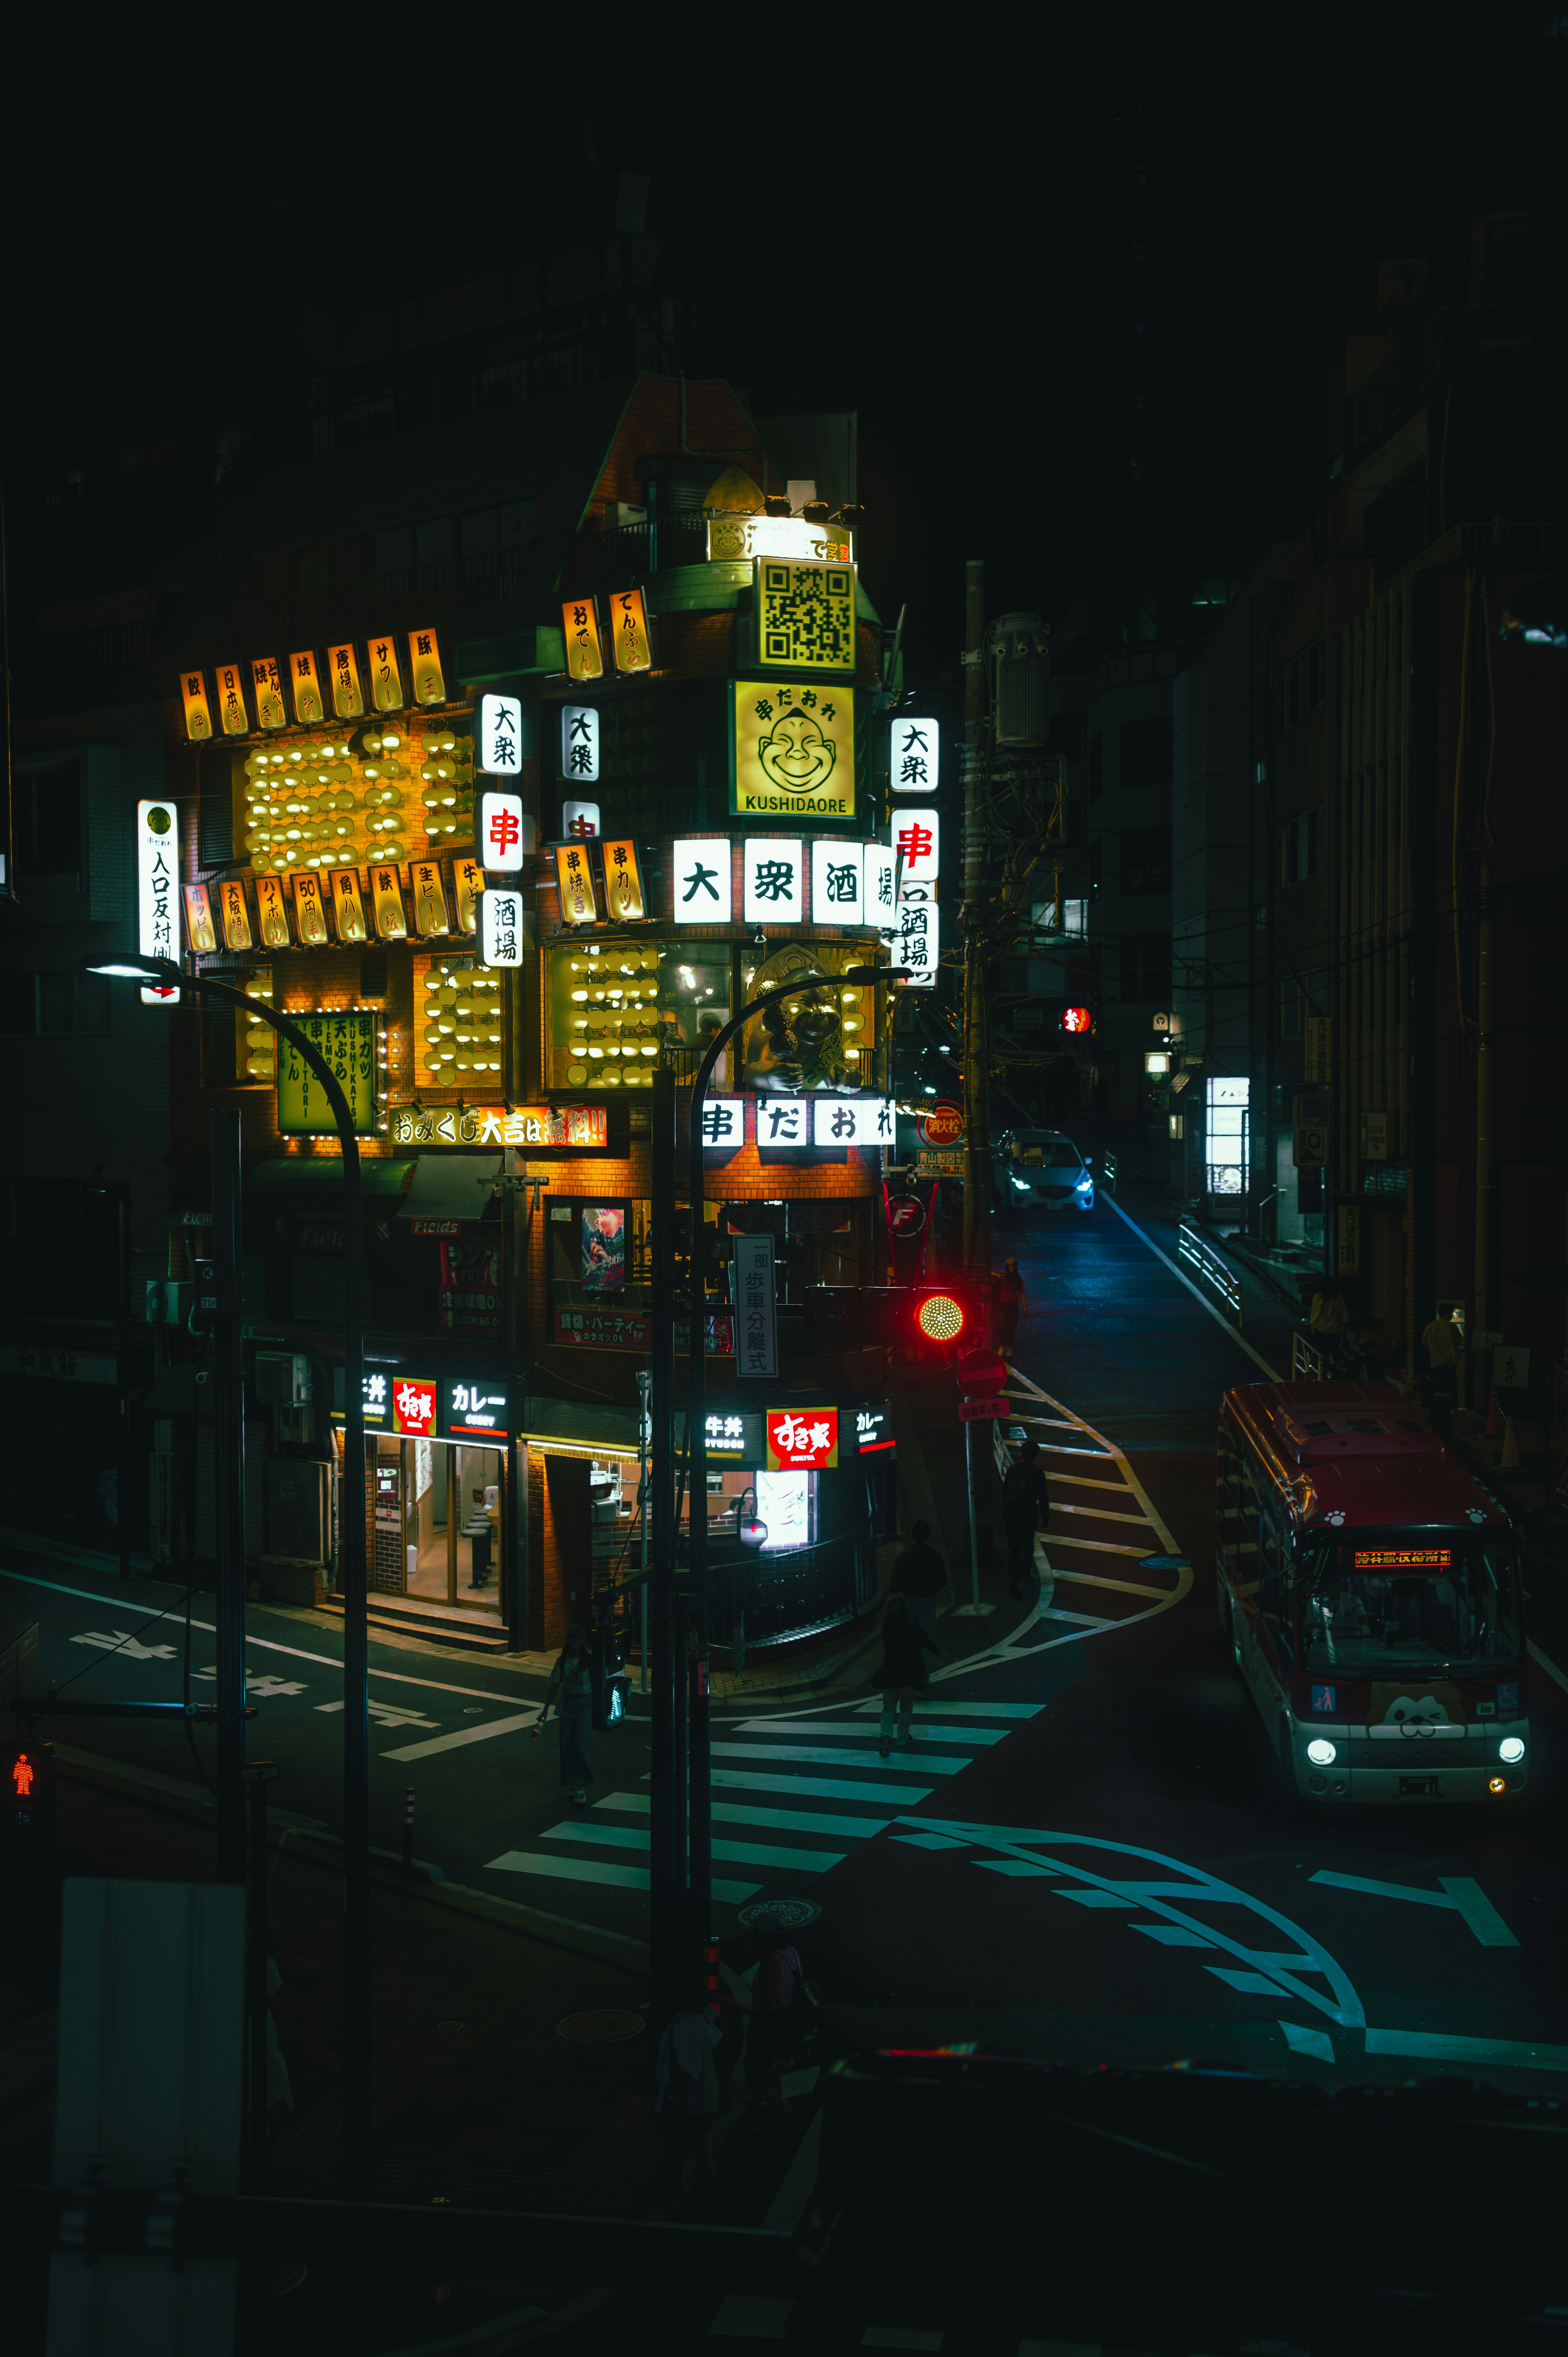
(462, 1735)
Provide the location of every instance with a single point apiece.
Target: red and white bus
(1370, 1589)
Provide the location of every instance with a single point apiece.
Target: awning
(287, 1174)
(451, 1186)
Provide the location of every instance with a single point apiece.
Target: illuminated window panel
(390, 793)
(611, 1005)
(458, 1026)
(255, 1041)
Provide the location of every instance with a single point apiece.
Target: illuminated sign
(412, 1405)
(347, 1044)
(1404, 1558)
(576, 881)
(347, 697)
(783, 1122)
(498, 732)
(157, 875)
(805, 616)
(624, 902)
(539, 1125)
(425, 664)
(500, 832)
(836, 876)
(309, 910)
(468, 882)
(473, 1408)
(386, 895)
(580, 744)
(236, 913)
(877, 868)
(916, 845)
(268, 691)
(744, 536)
(429, 893)
(349, 906)
(272, 913)
(199, 931)
(723, 1122)
(1076, 1018)
(232, 709)
(874, 1427)
(731, 1438)
(701, 892)
(501, 941)
(198, 713)
(581, 819)
(912, 765)
(304, 683)
(942, 1125)
(633, 649)
(773, 871)
(386, 679)
(853, 1121)
(801, 1440)
(792, 751)
(919, 945)
(580, 625)
(756, 1325)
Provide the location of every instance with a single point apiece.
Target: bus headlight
(1321, 1752)
(1511, 1748)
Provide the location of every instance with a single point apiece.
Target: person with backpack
(571, 1689)
(1025, 1508)
(905, 1645)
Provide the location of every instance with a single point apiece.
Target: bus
(1370, 1591)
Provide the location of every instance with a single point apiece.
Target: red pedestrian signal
(22, 1776)
(1076, 1018)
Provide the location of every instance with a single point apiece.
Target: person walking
(775, 2029)
(920, 1576)
(1026, 1509)
(687, 2097)
(1012, 1302)
(905, 1645)
(571, 1690)
(1329, 1319)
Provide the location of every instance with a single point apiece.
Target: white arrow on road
(120, 1641)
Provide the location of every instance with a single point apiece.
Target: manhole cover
(447, 2027)
(605, 2027)
(790, 1914)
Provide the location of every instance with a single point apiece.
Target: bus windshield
(1374, 1604)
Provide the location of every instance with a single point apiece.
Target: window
(58, 1006)
(1146, 860)
(1225, 1126)
(1146, 967)
(47, 810)
(1306, 682)
(1095, 765)
(1145, 753)
(1300, 995)
(1276, 1597)
(1302, 846)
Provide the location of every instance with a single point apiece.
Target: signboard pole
(667, 1815)
(229, 1486)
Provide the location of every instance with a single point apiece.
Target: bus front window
(1369, 1610)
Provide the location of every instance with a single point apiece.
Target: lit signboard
(347, 1044)
(498, 736)
(912, 767)
(802, 1439)
(501, 937)
(580, 744)
(792, 751)
(473, 1408)
(157, 879)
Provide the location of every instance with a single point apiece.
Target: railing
(1108, 1171)
(1215, 1271)
(1307, 1362)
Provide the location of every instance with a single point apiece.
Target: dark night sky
(1083, 286)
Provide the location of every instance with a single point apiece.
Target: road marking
(1101, 1546)
(121, 1642)
(969, 1709)
(1077, 1620)
(1097, 1513)
(1101, 1579)
(1060, 1448)
(800, 1861)
(593, 1869)
(1302, 2040)
(385, 1714)
(933, 1733)
(898, 2336)
(1223, 1323)
(736, 1813)
(1547, 1664)
(1465, 1898)
(823, 1788)
(454, 1742)
(1091, 1481)
(1435, 2046)
(1173, 1935)
(930, 1763)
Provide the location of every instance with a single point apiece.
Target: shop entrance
(438, 1521)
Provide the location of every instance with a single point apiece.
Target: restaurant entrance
(438, 1521)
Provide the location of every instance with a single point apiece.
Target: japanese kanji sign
(772, 865)
(198, 930)
(499, 1125)
(498, 736)
(624, 902)
(500, 832)
(580, 819)
(474, 1407)
(793, 750)
(236, 913)
(305, 686)
(268, 691)
(701, 872)
(918, 942)
(470, 1297)
(837, 870)
(349, 907)
(197, 713)
(500, 928)
(272, 913)
(232, 709)
(386, 893)
(633, 649)
(731, 1438)
(912, 756)
(783, 1122)
(347, 1043)
(348, 697)
(424, 664)
(467, 883)
(757, 1334)
(722, 1121)
(805, 616)
(580, 625)
(577, 881)
(580, 744)
(431, 916)
(412, 1405)
(853, 1120)
(157, 879)
(386, 679)
(876, 873)
(802, 1439)
(309, 912)
(917, 841)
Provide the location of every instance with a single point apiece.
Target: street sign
(982, 1371)
(940, 1126)
(906, 1215)
(982, 1411)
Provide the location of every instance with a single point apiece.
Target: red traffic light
(940, 1318)
(1076, 1018)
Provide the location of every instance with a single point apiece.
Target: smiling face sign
(794, 750)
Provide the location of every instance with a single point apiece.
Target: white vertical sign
(783, 1122)
(703, 895)
(774, 890)
(876, 886)
(912, 765)
(157, 891)
(757, 1333)
(837, 882)
(580, 744)
(917, 838)
(580, 819)
(499, 733)
(919, 943)
(723, 1122)
(500, 928)
(500, 832)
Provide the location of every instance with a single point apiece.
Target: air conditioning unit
(284, 1377)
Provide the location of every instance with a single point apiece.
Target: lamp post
(355, 2027)
(699, 1791)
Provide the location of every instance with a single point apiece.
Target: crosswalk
(788, 1764)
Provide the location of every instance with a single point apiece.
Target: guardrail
(1191, 1248)
(1108, 1171)
(1307, 1362)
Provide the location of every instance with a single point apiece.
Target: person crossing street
(571, 1690)
(1026, 1509)
(905, 1645)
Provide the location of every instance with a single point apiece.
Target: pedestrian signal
(27, 1791)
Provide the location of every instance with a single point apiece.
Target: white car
(1042, 1167)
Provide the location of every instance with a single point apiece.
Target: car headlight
(1511, 1748)
(1321, 1752)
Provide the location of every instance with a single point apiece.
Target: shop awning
(451, 1186)
(319, 1175)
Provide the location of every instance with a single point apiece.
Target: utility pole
(667, 1813)
(1485, 1102)
(229, 1447)
(976, 1042)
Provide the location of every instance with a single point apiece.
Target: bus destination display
(1404, 1558)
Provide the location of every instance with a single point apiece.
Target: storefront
(438, 1492)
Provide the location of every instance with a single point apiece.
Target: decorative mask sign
(702, 868)
(157, 880)
(501, 832)
(498, 736)
(580, 744)
(913, 756)
(792, 751)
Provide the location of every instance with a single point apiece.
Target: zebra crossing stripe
(823, 1788)
(807, 1861)
(594, 1870)
(858, 1728)
(930, 1763)
(736, 1813)
(929, 1704)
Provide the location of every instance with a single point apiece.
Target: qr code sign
(806, 615)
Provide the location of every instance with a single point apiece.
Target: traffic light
(28, 1796)
(609, 1685)
(926, 1319)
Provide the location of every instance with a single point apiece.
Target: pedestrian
(775, 2013)
(1441, 1340)
(687, 2094)
(571, 1689)
(905, 1645)
(920, 1576)
(1329, 1317)
(1012, 1302)
(1025, 1508)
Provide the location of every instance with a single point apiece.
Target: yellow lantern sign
(197, 713)
(348, 698)
(386, 892)
(622, 884)
(309, 910)
(268, 690)
(576, 878)
(304, 681)
(347, 1044)
(386, 679)
(633, 649)
(198, 930)
(231, 701)
(272, 913)
(236, 914)
(468, 877)
(425, 661)
(793, 750)
(805, 616)
(584, 656)
(350, 908)
(429, 898)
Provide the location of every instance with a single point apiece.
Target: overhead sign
(500, 832)
(853, 1121)
(802, 1441)
(701, 870)
(837, 872)
(756, 1334)
(773, 869)
(541, 1125)
(912, 764)
(502, 939)
(347, 1043)
(917, 845)
(157, 880)
(498, 736)
(580, 627)
(580, 744)
(805, 616)
(792, 751)
(474, 1407)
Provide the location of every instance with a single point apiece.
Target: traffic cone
(1510, 1443)
(1494, 1417)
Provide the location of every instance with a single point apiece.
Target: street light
(700, 1798)
(355, 2028)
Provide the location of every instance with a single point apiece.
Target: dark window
(216, 825)
(1301, 846)
(49, 820)
(1146, 967)
(18, 1006)
(1146, 859)
(1145, 752)
(1306, 682)
(1095, 765)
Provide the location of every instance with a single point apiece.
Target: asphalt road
(1087, 1852)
